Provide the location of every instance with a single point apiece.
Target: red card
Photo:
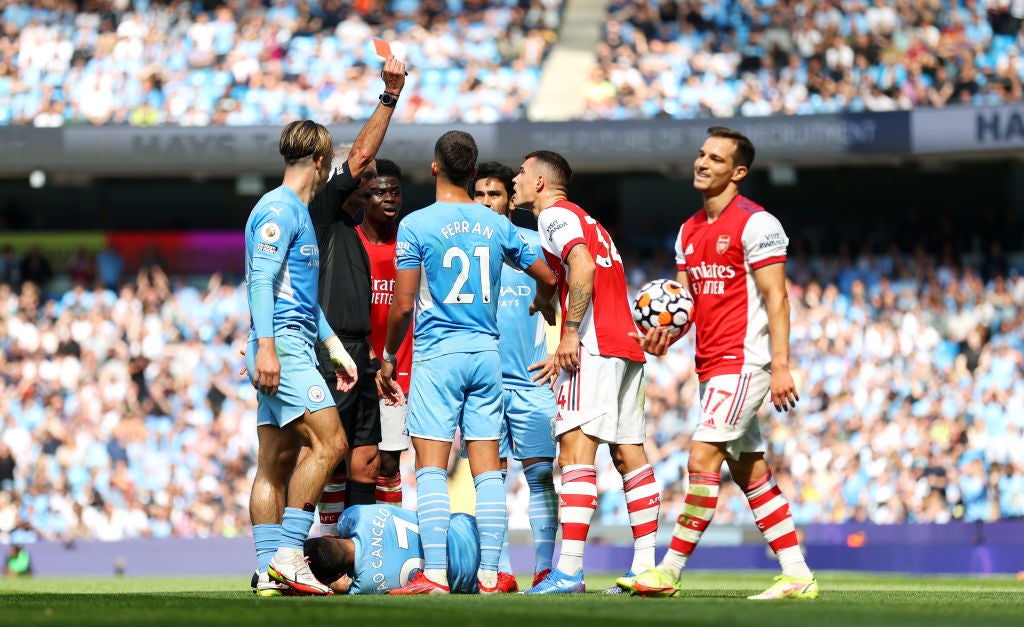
(382, 47)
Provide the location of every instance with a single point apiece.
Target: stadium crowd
(720, 58)
(263, 62)
(124, 414)
(254, 62)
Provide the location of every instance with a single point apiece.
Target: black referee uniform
(345, 294)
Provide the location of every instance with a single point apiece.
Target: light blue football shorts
(457, 390)
(528, 429)
(302, 386)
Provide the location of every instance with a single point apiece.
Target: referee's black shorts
(359, 407)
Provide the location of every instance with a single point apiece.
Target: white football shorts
(604, 398)
(729, 405)
(393, 434)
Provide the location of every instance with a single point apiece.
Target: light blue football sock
(434, 515)
(543, 513)
(491, 516)
(267, 538)
(295, 527)
(505, 560)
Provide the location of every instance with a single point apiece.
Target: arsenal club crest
(723, 244)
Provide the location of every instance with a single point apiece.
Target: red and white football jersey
(719, 258)
(382, 281)
(608, 321)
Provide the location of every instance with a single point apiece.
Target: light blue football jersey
(459, 249)
(387, 546)
(388, 549)
(280, 242)
(522, 339)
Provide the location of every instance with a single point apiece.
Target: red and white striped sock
(773, 518)
(643, 501)
(389, 490)
(332, 502)
(698, 510)
(577, 503)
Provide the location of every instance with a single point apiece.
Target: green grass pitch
(713, 599)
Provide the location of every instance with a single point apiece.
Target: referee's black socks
(360, 494)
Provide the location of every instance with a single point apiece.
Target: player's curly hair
(387, 167)
(326, 559)
(304, 138)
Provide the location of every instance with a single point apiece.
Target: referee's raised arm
(367, 143)
(327, 206)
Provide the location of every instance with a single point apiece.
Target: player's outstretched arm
(367, 143)
(771, 283)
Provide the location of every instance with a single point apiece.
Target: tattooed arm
(581, 289)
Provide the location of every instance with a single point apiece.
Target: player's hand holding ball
(662, 309)
(656, 341)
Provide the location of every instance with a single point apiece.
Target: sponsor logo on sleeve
(555, 226)
(401, 249)
(774, 239)
(270, 232)
(266, 248)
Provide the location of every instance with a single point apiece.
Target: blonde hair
(305, 138)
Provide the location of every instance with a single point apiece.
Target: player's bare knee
(338, 447)
(564, 459)
(627, 457)
(286, 458)
(703, 463)
(747, 469)
(268, 480)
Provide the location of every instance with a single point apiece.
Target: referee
(345, 294)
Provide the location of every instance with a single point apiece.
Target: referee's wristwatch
(388, 99)
(389, 357)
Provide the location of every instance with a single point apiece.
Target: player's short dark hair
(302, 139)
(744, 154)
(326, 559)
(387, 167)
(455, 154)
(559, 171)
(494, 170)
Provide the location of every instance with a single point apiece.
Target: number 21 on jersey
(457, 258)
